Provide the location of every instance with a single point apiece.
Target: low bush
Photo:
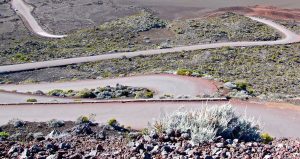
(85, 93)
(82, 119)
(184, 72)
(244, 85)
(4, 134)
(56, 92)
(112, 122)
(144, 94)
(209, 122)
(31, 100)
(266, 138)
(149, 94)
(241, 84)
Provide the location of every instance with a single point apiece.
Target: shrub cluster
(31, 100)
(209, 122)
(4, 134)
(120, 91)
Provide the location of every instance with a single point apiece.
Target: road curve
(24, 11)
(289, 37)
(161, 83)
(274, 119)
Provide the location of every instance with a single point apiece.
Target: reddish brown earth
(264, 11)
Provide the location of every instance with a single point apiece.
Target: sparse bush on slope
(209, 122)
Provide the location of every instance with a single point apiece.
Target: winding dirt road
(278, 122)
(289, 37)
(162, 84)
(24, 11)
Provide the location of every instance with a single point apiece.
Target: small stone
(64, 146)
(220, 145)
(24, 154)
(208, 157)
(186, 136)
(163, 153)
(101, 135)
(38, 136)
(236, 141)
(146, 156)
(93, 153)
(99, 148)
(280, 145)
(268, 157)
(76, 156)
(52, 157)
(170, 132)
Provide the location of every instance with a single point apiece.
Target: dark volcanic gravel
(89, 140)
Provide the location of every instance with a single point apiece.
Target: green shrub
(56, 92)
(145, 131)
(149, 94)
(144, 94)
(112, 122)
(241, 84)
(4, 134)
(266, 137)
(244, 85)
(184, 72)
(85, 93)
(20, 57)
(85, 119)
(82, 119)
(31, 100)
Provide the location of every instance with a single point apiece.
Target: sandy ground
(8, 98)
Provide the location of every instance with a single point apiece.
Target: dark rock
(39, 92)
(186, 136)
(64, 146)
(17, 123)
(153, 135)
(83, 129)
(101, 135)
(38, 136)
(99, 148)
(146, 156)
(55, 123)
(34, 149)
(170, 132)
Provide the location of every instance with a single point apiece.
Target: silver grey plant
(209, 122)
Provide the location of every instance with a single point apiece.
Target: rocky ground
(75, 140)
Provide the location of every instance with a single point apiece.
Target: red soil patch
(265, 11)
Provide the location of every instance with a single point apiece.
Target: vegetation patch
(271, 72)
(224, 27)
(4, 135)
(209, 122)
(126, 34)
(31, 100)
(120, 91)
